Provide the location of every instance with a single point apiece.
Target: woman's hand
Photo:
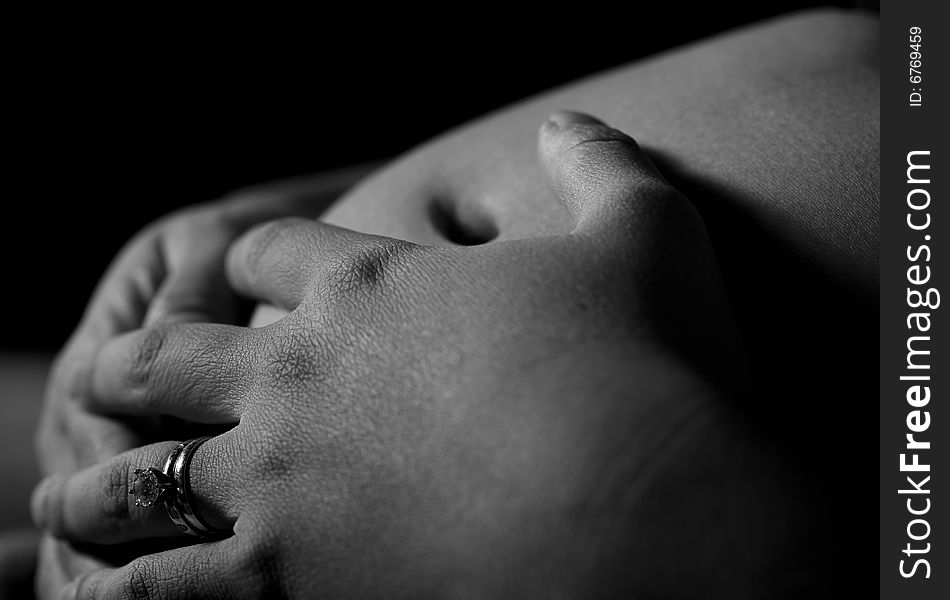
(545, 413)
(173, 271)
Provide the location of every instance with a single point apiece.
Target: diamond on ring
(170, 484)
(148, 486)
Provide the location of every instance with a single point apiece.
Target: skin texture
(432, 422)
(785, 203)
(170, 272)
(772, 132)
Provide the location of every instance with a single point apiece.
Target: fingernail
(38, 502)
(565, 118)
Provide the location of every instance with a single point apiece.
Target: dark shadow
(811, 332)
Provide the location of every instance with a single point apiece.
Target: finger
(283, 260)
(600, 173)
(91, 438)
(196, 371)
(215, 570)
(121, 298)
(94, 505)
(195, 289)
(58, 564)
(117, 305)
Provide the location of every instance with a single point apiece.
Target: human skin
(170, 272)
(514, 419)
(771, 131)
(680, 106)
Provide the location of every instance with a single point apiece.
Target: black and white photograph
(436, 300)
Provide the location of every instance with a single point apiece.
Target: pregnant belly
(772, 131)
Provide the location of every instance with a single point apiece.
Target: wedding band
(173, 505)
(173, 485)
(182, 474)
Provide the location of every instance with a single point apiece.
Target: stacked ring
(173, 485)
(183, 499)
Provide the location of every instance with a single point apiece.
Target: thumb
(599, 173)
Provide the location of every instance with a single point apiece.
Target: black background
(116, 118)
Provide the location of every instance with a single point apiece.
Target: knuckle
(87, 586)
(610, 156)
(260, 568)
(114, 498)
(273, 460)
(52, 506)
(606, 161)
(584, 141)
(274, 465)
(369, 267)
(299, 356)
(71, 377)
(140, 582)
(144, 356)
